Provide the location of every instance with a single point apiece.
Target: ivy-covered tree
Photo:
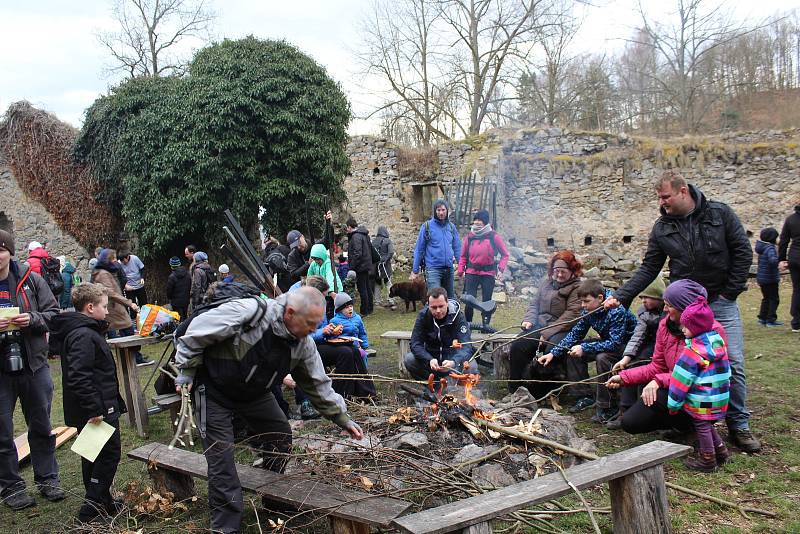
(254, 123)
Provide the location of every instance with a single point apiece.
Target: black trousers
(639, 418)
(769, 303)
(272, 435)
(364, 292)
(471, 284)
(99, 475)
(523, 365)
(139, 296)
(35, 393)
(347, 360)
(794, 271)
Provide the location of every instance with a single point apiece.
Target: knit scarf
(485, 230)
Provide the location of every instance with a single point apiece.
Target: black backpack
(376, 255)
(276, 262)
(51, 272)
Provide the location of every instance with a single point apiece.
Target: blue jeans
(440, 277)
(727, 314)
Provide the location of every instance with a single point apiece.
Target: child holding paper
(91, 392)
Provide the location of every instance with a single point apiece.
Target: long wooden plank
(298, 492)
(62, 434)
(135, 341)
(482, 508)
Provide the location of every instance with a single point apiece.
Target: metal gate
(470, 194)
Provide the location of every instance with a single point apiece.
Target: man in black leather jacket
(705, 242)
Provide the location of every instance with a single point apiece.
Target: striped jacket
(700, 380)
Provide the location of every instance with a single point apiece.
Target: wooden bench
(635, 477)
(403, 338)
(125, 349)
(350, 512)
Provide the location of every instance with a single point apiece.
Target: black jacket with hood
(433, 339)
(179, 286)
(359, 250)
(32, 295)
(790, 233)
(89, 375)
(709, 246)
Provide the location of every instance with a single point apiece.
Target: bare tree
(684, 48)
(151, 34)
(491, 35)
(401, 46)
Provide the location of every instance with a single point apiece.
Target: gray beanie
(342, 299)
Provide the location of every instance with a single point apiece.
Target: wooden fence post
(639, 502)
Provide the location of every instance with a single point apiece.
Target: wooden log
(639, 502)
(479, 528)
(179, 484)
(340, 525)
(501, 357)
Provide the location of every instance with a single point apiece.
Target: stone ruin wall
(30, 221)
(559, 189)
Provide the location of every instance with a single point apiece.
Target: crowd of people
(676, 364)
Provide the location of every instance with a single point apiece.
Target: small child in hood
(351, 323)
(225, 274)
(90, 391)
(700, 384)
(768, 277)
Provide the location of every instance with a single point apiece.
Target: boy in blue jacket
(768, 277)
(350, 323)
(614, 327)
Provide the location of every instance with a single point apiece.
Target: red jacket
(481, 253)
(667, 351)
(35, 258)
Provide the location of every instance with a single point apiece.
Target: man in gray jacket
(25, 375)
(233, 354)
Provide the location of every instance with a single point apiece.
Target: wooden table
(125, 349)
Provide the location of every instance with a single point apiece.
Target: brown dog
(410, 292)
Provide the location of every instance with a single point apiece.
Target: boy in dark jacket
(179, 286)
(614, 328)
(91, 391)
(768, 277)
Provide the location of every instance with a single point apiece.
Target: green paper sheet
(92, 439)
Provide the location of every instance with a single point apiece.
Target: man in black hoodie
(179, 286)
(705, 242)
(789, 256)
(359, 259)
(91, 391)
(25, 375)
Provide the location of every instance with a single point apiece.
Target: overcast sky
(51, 56)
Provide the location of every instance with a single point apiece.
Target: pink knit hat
(698, 317)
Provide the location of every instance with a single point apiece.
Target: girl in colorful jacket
(700, 384)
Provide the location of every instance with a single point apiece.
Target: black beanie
(482, 215)
(769, 235)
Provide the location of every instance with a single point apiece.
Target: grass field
(769, 480)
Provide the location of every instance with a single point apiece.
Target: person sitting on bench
(438, 326)
(234, 352)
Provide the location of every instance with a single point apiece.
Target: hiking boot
(582, 404)
(744, 439)
(19, 499)
(705, 462)
(722, 454)
(604, 415)
(772, 324)
(615, 424)
(52, 491)
(307, 411)
(141, 361)
(762, 322)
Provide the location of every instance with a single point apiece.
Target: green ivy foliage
(253, 123)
